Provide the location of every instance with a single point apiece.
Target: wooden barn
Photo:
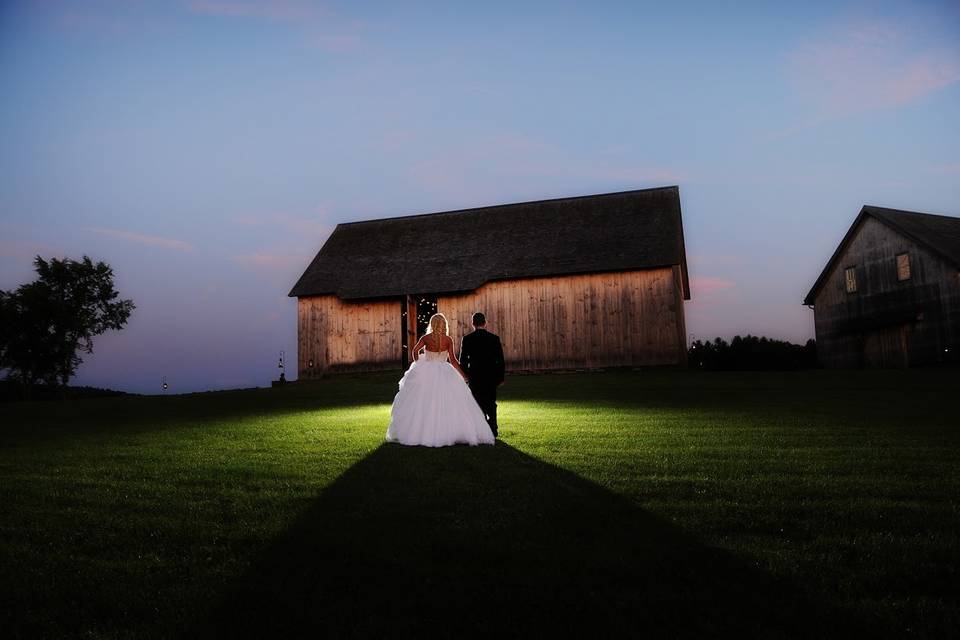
(890, 295)
(584, 282)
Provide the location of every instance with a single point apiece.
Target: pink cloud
(708, 285)
(924, 75)
(862, 67)
(262, 260)
(140, 238)
(336, 42)
(712, 259)
(287, 243)
(311, 226)
(27, 250)
(397, 139)
(946, 169)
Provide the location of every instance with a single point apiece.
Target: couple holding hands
(434, 407)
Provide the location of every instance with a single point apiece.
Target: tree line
(750, 353)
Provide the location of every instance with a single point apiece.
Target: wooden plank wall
(583, 321)
(923, 312)
(681, 319)
(347, 336)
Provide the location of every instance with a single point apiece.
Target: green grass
(677, 504)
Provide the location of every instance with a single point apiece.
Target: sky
(205, 149)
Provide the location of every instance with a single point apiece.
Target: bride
(434, 406)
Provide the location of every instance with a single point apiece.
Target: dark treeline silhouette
(12, 392)
(751, 353)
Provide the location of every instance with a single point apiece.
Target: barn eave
(889, 218)
(462, 250)
(470, 288)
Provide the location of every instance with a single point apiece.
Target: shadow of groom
(469, 541)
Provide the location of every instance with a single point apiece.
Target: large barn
(585, 282)
(890, 295)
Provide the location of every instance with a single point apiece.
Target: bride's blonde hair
(438, 324)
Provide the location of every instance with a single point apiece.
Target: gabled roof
(455, 251)
(939, 234)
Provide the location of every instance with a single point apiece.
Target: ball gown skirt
(434, 407)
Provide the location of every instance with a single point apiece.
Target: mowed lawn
(657, 504)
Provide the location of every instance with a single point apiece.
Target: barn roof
(461, 250)
(939, 234)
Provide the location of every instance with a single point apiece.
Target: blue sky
(206, 148)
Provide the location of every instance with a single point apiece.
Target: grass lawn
(677, 504)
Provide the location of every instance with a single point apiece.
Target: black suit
(481, 358)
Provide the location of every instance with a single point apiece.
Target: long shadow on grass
(487, 540)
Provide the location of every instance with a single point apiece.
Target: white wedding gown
(434, 407)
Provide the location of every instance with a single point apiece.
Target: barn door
(408, 329)
(415, 318)
(426, 307)
(887, 348)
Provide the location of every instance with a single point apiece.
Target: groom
(481, 358)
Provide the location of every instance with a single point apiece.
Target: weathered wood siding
(583, 321)
(886, 322)
(347, 336)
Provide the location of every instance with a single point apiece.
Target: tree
(47, 322)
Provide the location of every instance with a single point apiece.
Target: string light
(426, 307)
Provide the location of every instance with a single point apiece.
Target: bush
(750, 353)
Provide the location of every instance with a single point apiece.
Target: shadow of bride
(469, 541)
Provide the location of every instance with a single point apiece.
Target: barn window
(903, 267)
(851, 278)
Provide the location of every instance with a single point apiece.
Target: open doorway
(415, 318)
(426, 307)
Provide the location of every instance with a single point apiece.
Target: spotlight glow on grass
(665, 502)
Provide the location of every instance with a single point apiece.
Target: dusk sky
(205, 149)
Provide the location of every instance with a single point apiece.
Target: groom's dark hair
(479, 319)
